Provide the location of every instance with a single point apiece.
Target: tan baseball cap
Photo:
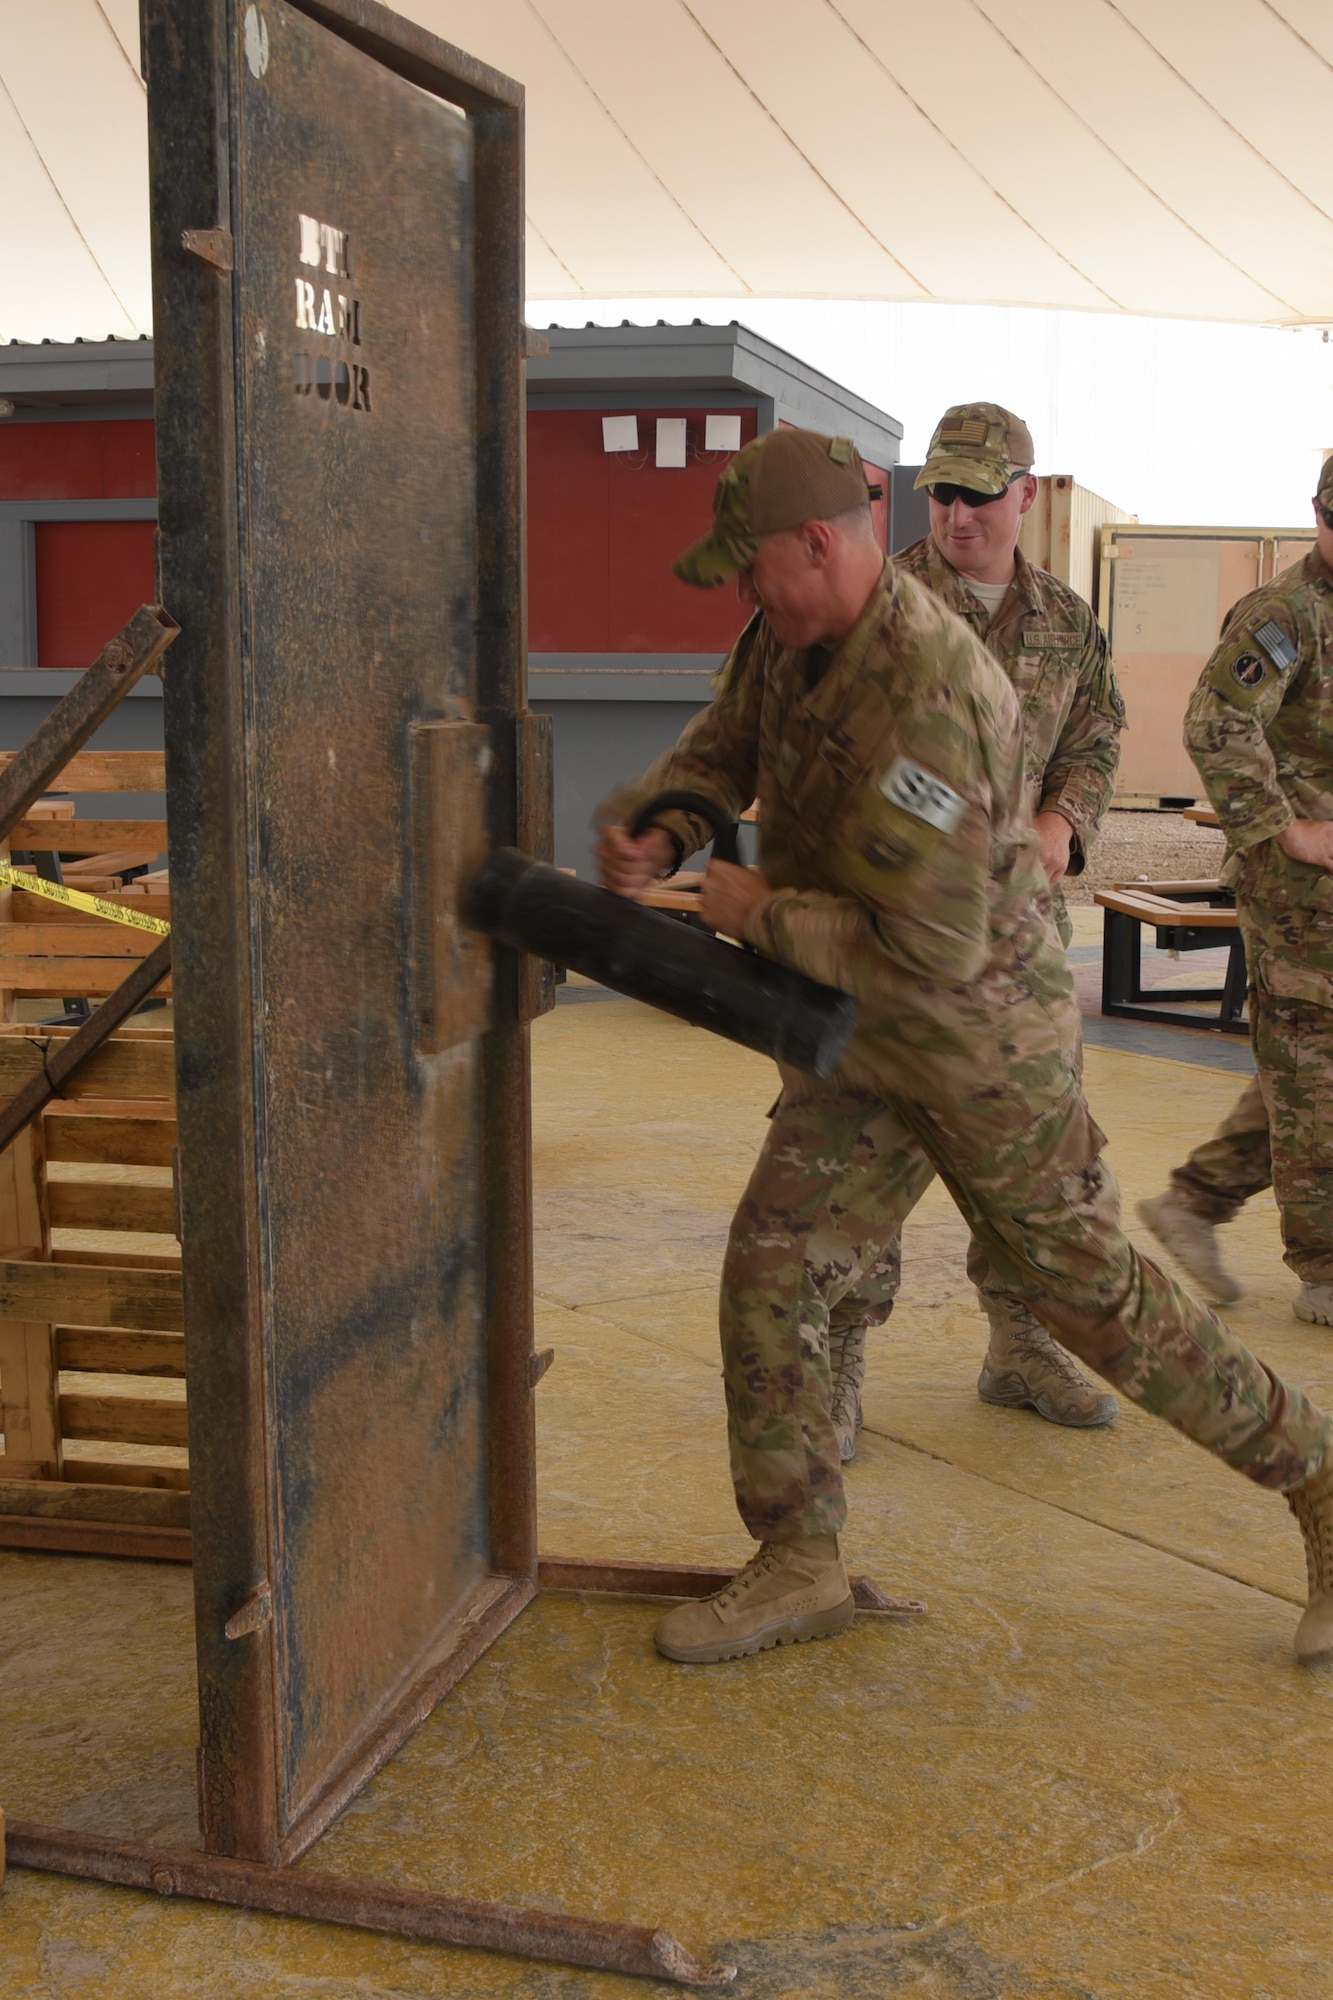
(777, 482)
(1324, 490)
(978, 445)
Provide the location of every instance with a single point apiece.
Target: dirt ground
(1156, 846)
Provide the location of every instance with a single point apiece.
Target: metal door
(353, 1147)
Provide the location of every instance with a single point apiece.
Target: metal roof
(604, 367)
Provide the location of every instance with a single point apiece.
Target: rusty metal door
(339, 468)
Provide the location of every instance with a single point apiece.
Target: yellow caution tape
(77, 899)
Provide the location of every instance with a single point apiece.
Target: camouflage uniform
(1219, 1177)
(1260, 729)
(1059, 664)
(896, 834)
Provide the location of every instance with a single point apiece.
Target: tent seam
(1221, 116)
(1291, 29)
(971, 166)
(1133, 172)
(547, 244)
(801, 153)
(643, 160)
(121, 47)
(55, 189)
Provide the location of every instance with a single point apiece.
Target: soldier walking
(978, 476)
(1260, 730)
(899, 862)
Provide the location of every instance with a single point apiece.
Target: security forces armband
(1252, 663)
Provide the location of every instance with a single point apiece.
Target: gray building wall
(613, 713)
(598, 744)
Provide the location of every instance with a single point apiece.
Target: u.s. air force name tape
(76, 899)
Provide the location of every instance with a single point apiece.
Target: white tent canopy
(1163, 157)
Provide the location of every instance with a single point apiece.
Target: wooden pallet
(92, 1371)
(92, 1365)
(50, 952)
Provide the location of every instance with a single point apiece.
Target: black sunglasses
(1325, 513)
(946, 493)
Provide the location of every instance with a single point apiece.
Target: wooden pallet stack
(48, 951)
(92, 1391)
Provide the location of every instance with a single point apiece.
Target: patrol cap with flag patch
(977, 445)
(777, 482)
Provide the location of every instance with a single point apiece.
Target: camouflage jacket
(1055, 653)
(1259, 727)
(896, 832)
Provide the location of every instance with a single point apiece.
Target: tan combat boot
(1192, 1241)
(1312, 1504)
(1025, 1369)
(788, 1591)
(847, 1365)
(1314, 1304)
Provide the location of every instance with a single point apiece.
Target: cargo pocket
(1293, 1041)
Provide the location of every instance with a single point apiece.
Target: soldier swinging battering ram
(899, 861)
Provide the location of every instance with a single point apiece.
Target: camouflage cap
(978, 445)
(1324, 490)
(777, 482)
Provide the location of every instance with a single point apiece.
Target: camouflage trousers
(1291, 1028)
(835, 1181)
(872, 1305)
(1220, 1176)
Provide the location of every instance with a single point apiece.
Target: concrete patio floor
(1093, 1769)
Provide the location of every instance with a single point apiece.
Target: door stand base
(590, 1942)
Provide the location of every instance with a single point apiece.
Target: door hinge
(538, 1365)
(253, 1614)
(214, 246)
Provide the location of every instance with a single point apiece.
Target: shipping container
(1062, 531)
(1164, 593)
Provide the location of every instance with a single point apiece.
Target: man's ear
(818, 539)
(1029, 492)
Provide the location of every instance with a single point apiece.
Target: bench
(1187, 916)
(680, 895)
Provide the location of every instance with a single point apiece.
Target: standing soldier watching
(1260, 729)
(978, 475)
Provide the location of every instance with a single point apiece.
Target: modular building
(628, 429)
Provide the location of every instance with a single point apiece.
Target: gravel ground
(1160, 846)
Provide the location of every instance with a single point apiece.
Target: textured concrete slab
(1092, 1770)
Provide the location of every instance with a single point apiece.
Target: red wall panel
(569, 533)
(603, 529)
(78, 461)
(90, 576)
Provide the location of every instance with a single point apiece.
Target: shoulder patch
(1276, 644)
(1243, 670)
(922, 794)
(1251, 661)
